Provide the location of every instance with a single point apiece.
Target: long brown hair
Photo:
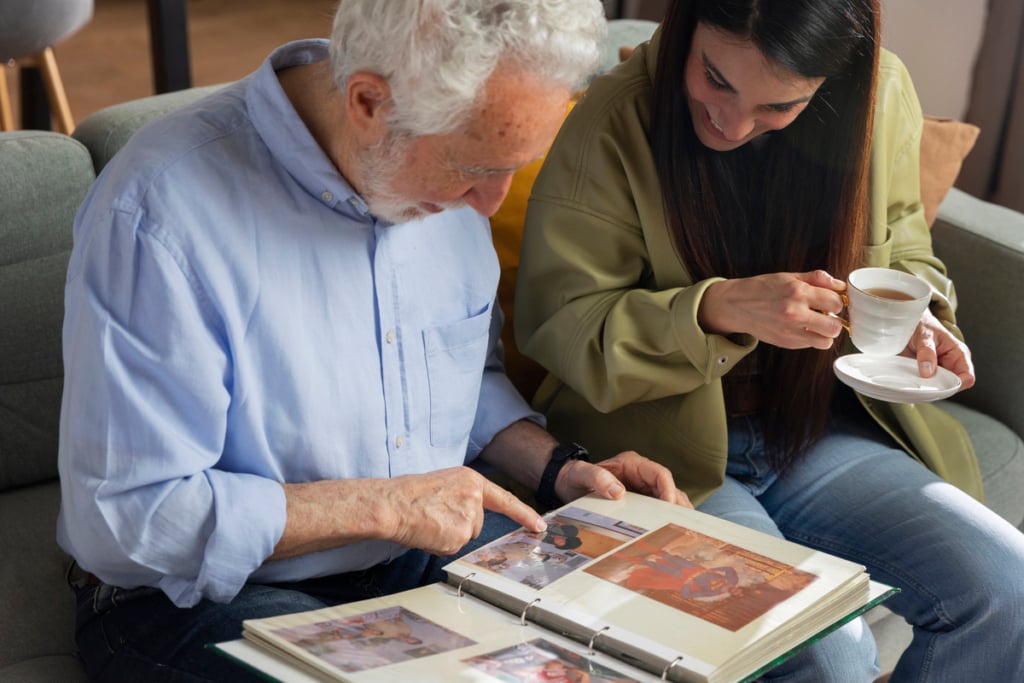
(798, 203)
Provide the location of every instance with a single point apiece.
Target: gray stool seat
(27, 27)
(28, 31)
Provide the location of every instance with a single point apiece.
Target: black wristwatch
(563, 453)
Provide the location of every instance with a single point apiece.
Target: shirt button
(398, 442)
(327, 196)
(390, 337)
(722, 360)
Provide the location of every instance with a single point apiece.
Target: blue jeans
(856, 495)
(140, 635)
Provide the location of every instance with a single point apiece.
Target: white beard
(379, 165)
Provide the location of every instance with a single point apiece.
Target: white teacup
(885, 307)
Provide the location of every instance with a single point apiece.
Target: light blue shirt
(236, 319)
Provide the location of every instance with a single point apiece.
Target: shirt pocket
(455, 356)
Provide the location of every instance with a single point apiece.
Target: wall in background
(938, 40)
(967, 61)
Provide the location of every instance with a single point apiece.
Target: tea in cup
(884, 308)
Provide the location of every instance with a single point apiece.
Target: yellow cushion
(507, 233)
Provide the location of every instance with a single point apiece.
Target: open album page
(426, 634)
(665, 586)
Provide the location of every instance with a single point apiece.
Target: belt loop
(77, 578)
(67, 574)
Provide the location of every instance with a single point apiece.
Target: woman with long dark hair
(686, 245)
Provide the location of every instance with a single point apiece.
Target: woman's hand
(788, 310)
(612, 477)
(932, 343)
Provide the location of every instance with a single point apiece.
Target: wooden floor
(108, 60)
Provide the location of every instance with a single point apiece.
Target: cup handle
(846, 306)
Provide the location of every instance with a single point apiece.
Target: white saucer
(894, 379)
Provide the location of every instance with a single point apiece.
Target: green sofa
(43, 178)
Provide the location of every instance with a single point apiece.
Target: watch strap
(562, 453)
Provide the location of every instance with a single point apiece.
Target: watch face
(569, 451)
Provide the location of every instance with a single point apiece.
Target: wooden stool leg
(6, 114)
(55, 89)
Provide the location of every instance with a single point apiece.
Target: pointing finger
(500, 500)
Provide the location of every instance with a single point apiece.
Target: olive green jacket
(630, 368)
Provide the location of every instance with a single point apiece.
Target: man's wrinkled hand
(441, 511)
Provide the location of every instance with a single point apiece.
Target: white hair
(436, 55)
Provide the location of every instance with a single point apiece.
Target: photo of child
(573, 538)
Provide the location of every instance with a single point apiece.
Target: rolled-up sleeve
(144, 416)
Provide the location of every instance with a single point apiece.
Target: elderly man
(281, 341)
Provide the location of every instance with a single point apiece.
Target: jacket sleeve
(591, 304)
(900, 234)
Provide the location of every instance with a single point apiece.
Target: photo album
(613, 591)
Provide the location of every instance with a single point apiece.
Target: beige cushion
(944, 144)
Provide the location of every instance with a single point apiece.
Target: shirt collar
(286, 135)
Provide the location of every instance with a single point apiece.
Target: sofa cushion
(43, 178)
(63, 668)
(507, 233)
(944, 144)
(982, 245)
(1000, 459)
(37, 609)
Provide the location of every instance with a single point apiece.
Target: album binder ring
(522, 617)
(590, 645)
(664, 673)
(463, 580)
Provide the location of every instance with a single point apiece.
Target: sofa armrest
(982, 245)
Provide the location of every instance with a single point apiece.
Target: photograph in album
(700, 575)
(574, 537)
(540, 661)
(373, 639)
